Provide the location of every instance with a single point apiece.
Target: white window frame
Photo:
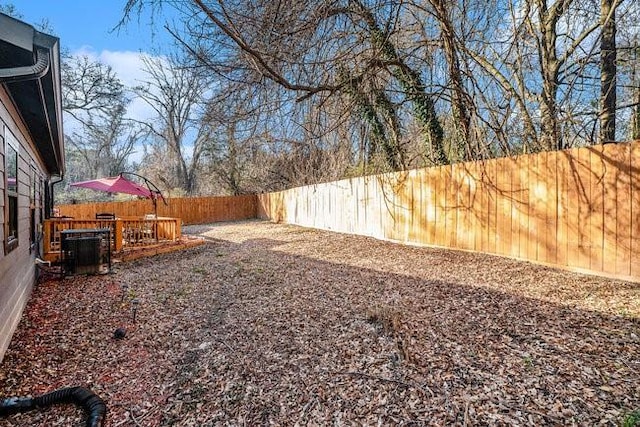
(11, 239)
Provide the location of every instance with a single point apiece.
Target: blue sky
(86, 27)
(89, 25)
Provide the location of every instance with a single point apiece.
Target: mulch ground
(268, 324)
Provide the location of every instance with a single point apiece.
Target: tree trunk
(549, 65)
(412, 86)
(459, 97)
(608, 72)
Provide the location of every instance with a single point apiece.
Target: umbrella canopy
(116, 184)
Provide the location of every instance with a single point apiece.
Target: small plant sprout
(135, 303)
(528, 361)
(631, 419)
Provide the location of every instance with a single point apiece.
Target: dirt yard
(271, 324)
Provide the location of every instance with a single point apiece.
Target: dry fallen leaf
(274, 324)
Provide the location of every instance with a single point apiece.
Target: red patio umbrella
(119, 184)
(115, 184)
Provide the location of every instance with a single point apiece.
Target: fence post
(46, 244)
(117, 239)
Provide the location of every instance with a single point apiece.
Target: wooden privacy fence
(578, 208)
(192, 210)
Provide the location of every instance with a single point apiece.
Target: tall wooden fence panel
(192, 210)
(577, 208)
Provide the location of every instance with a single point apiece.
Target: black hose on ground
(89, 401)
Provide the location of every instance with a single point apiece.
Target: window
(33, 179)
(33, 200)
(11, 193)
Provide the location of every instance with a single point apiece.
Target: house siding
(17, 268)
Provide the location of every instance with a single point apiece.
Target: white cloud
(128, 65)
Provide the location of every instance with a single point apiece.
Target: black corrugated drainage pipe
(88, 400)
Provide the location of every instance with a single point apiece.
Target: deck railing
(126, 233)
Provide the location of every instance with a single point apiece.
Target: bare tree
(175, 92)
(98, 130)
(105, 145)
(308, 48)
(90, 89)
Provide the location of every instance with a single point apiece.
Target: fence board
(596, 223)
(431, 208)
(622, 168)
(562, 214)
(492, 205)
(503, 209)
(465, 238)
(550, 177)
(473, 231)
(611, 173)
(583, 178)
(452, 208)
(635, 210)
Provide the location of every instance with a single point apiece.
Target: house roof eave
(31, 75)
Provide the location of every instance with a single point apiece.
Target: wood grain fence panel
(464, 235)
(385, 217)
(440, 191)
(596, 217)
(503, 208)
(540, 200)
(635, 209)
(431, 206)
(457, 207)
(611, 173)
(336, 207)
(534, 215)
(450, 201)
(621, 164)
(449, 207)
(562, 214)
(573, 206)
(398, 186)
(470, 170)
(499, 203)
(354, 191)
(514, 200)
(416, 228)
(516, 208)
(470, 218)
(492, 212)
(584, 207)
(550, 176)
(482, 244)
(409, 205)
(377, 206)
(414, 233)
(390, 218)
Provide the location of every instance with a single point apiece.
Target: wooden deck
(127, 234)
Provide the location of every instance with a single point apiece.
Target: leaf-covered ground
(270, 324)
